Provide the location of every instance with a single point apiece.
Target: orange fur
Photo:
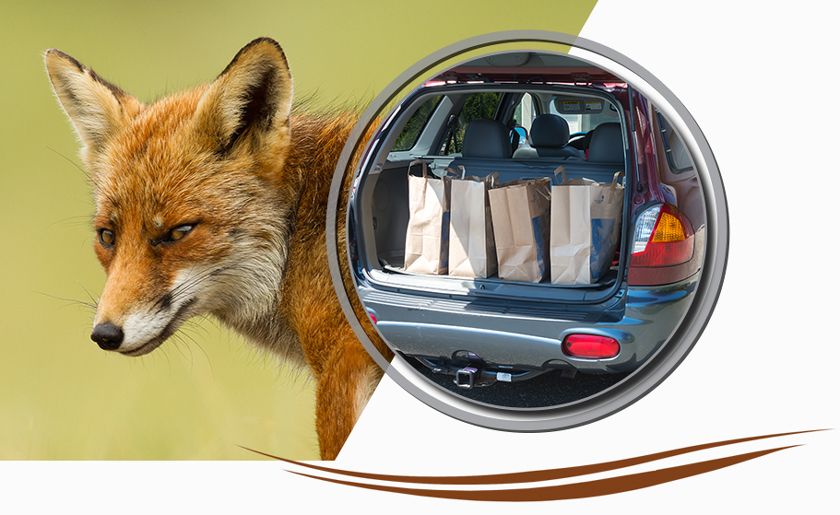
(251, 177)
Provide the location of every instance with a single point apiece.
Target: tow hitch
(465, 377)
(473, 372)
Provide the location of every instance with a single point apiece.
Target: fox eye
(174, 234)
(106, 238)
(179, 232)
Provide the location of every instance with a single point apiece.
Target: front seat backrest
(549, 136)
(486, 139)
(607, 145)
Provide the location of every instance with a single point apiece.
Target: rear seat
(487, 149)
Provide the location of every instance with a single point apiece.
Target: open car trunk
(381, 213)
(379, 203)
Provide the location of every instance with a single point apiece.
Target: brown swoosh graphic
(581, 490)
(533, 475)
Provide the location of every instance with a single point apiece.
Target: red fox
(213, 201)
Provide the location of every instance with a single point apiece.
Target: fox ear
(251, 99)
(95, 107)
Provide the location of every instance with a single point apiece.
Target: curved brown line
(595, 488)
(533, 475)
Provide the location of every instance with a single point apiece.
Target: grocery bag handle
(544, 192)
(425, 167)
(491, 177)
(613, 187)
(452, 171)
(561, 171)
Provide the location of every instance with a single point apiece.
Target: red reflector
(591, 346)
(372, 318)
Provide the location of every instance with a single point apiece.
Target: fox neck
(251, 306)
(258, 311)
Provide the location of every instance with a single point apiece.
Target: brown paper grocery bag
(520, 228)
(427, 234)
(585, 221)
(472, 251)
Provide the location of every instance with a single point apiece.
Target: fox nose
(107, 336)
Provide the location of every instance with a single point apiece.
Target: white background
(760, 82)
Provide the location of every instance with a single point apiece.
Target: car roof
(528, 67)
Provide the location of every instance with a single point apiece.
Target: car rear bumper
(641, 319)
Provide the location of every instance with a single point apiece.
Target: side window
(679, 160)
(523, 117)
(415, 125)
(477, 106)
(525, 112)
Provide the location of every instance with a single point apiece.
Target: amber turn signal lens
(669, 228)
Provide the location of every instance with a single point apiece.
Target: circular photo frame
(699, 303)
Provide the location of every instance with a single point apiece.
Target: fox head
(191, 212)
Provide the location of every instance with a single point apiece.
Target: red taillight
(591, 346)
(372, 318)
(663, 245)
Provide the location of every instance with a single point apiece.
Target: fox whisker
(75, 165)
(174, 294)
(70, 301)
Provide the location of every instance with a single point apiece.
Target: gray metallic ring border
(635, 386)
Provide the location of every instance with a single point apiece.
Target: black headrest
(549, 131)
(607, 145)
(487, 139)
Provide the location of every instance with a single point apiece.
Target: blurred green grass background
(60, 396)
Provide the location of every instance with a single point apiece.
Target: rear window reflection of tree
(477, 106)
(411, 132)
